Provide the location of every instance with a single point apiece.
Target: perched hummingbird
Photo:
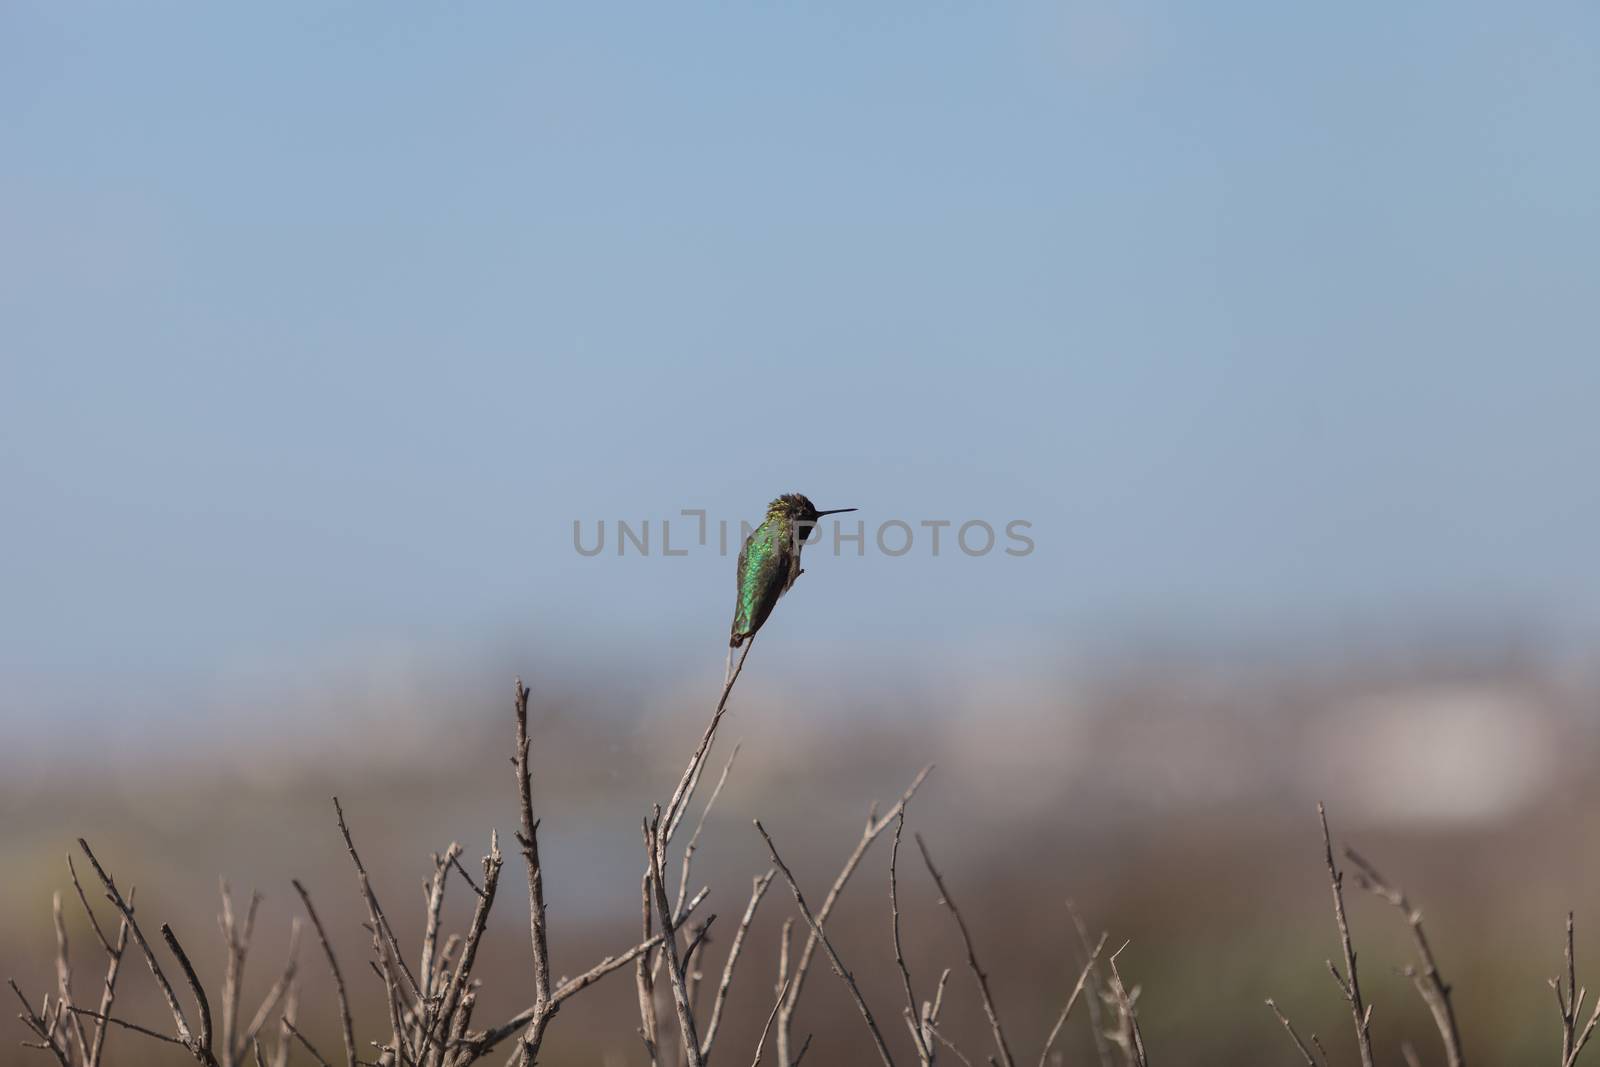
(769, 562)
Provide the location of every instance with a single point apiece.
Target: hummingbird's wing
(763, 576)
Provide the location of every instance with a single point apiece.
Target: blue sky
(321, 323)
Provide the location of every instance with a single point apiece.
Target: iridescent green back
(766, 569)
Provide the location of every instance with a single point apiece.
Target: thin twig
(528, 838)
(456, 860)
(127, 1025)
(93, 922)
(669, 944)
(1430, 984)
(488, 1039)
(699, 938)
(773, 1014)
(195, 988)
(35, 1021)
(1569, 1010)
(384, 944)
(237, 938)
(1293, 1036)
(1583, 1037)
(1349, 983)
(929, 1017)
(113, 964)
(833, 957)
(1573, 1040)
(874, 828)
(1072, 998)
(309, 1046)
(456, 992)
(694, 838)
(1092, 1002)
(185, 1037)
(644, 978)
(108, 993)
(435, 904)
(681, 795)
(1125, 1002)
(989, 1008)
(64, 998)
(279, 990)
(947, 1043)
(917, 1040)
(348, 1027)
(758, 889)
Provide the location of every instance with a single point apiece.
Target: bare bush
(1424, 974)
(431, 993)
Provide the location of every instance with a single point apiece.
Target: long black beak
(834, 511)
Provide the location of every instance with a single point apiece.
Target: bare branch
(833, 957)
(1072, 998)
(1349, 983)
(482, 1043)
(456, 860)
(917, 1039)
(112, 894)
(279, 990)
(669, 943)
(135, 1027)
(1130, 1016)
(338, 977)
(435, 903)
(644, 978)
(758, 889)
(453, 1001)
(1583, 1038)
(1289, 1026)
(930, 1013)
(490, 1038)
(1102, 1046)
(947, 1043)
(35, 1021)
(694, 838)
(1435, 993)
(1568, 1043)
(381, 928)
(93, 922)
(64, 976)
(1573, 1040)
(108, 994)
(972, 958)
(291, 1012)
(874, 828)
(194, 986)
(773, 1014)
(528, 838)
(691, 773)
(309, 1046)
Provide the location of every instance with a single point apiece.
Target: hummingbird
(769, 562)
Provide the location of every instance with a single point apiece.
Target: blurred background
(322, 325)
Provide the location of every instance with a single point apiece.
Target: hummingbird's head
(800, 509)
